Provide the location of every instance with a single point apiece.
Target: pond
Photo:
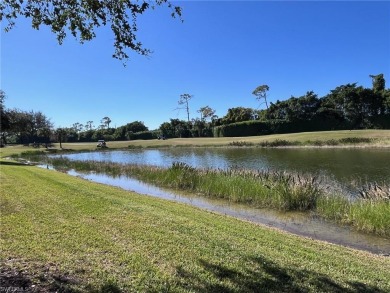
(339, 164)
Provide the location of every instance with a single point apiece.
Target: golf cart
(101, 144)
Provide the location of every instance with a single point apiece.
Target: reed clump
(341, 141)
(369, 211)
(297, 192)
(262, 188)
(329, 142)
(353, 140)
(367, 215)
(278, 143)
(375, 191)
(241, 143)
(30, 155)
(317, 142)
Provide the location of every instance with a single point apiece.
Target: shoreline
(132, 147)
(296, 225)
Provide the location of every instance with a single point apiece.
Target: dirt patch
(20, 276)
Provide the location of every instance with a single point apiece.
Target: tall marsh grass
(279, 143)
(279, 190)
(317, 142)
(372, 216)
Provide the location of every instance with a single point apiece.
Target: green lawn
(62, 233)
(380, 138)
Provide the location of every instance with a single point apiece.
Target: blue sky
(219, 54)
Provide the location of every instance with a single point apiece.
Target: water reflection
(294, 222)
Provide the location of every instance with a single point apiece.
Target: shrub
(241, 143)
(355, 140)
(278, 142)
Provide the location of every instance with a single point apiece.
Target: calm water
(343, 165)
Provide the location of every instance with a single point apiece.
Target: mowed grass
(62, 233)
(377, 138)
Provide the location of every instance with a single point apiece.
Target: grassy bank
(62, 233)
(277, 190)
(353, 138)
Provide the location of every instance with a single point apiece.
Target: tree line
(347, 106)
(350, 105)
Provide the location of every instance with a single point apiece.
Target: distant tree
(61, 135)
(120, 133)
(328, 112)
(167, 130)
(86, 135)
(2, 98)
(98, 134)
(379, 99)
(279, 111)
(261, 115)
(41, 127)
(261, 93)
(302, 108)
(206, 112)
(238, 114)
(4, 120)
(44, 135)
(199, 127)
(77, 127)
(29, 126)
(181, 128)
(126, 131)
(184, 99)
(355, 103)
(105, 122)
(20, 122)
(378, 82)
(81, 18)
(72, 135)
(136, 126)
(176, 128)
(89, 125)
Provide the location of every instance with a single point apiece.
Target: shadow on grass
(265, 276)
(11, 163)
(257, 275)
(13, 280)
